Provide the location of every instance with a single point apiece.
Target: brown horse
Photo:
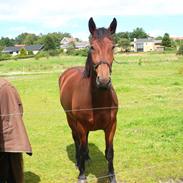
(88, 98)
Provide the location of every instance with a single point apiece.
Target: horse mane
(99, 33)
(88, 65)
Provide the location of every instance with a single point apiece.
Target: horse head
(101, 53)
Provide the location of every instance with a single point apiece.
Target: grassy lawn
(149, 139)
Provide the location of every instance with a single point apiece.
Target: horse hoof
(82, 179)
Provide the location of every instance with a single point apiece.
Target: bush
(22, 56)
(5, 57)
(54, 52)
(23, 52)
(30, 52)
(180, 50)
(79, 52)
(41, 54)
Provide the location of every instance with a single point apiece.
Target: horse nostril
(103, 82)
(98, 80)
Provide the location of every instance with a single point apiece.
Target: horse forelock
(100, 33)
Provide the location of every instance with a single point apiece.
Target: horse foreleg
(76, 142)
(83, 154)
(109, 152)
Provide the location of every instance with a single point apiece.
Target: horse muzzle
(103, 83)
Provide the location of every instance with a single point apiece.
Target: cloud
(52, 12)
(57, 14)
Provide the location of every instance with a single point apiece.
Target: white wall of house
(15, 53)
(149, 46)
(35, 52)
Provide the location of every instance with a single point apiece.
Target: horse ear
(113, 25)
(91, 25)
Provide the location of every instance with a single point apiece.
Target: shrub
(180, 50)
(79, 52)
(23, 52)
(41, 54)
(5, 57)
(30, 52)
(54, 52)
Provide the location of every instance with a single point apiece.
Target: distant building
(146, 45)
(82, 44)
(15, 50)
(177, 38)
(68, 42)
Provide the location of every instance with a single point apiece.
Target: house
(146, 45)
(67, 42)
(177, 38)
(15, 50)
(82, 45)
(70, 42)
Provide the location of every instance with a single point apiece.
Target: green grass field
(149, 138)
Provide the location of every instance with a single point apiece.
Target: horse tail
(16, 166)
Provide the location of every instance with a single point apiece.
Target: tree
(138, 33)
(49, 43)
(166, 41)
(5, 41)
(30, 39)
(159, 38)
(58, 36)
(20, 38)
(118, 36)
(124, 43)
(26, 38)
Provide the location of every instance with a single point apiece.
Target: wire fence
(117, 173)
(134, 171)
(66, 111)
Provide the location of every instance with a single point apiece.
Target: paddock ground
(149, 138)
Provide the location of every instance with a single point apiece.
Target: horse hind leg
(87, 157)
(109, 152)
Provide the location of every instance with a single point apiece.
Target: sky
(42, 16)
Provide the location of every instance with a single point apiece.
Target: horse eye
(92, 48)
(113, 47)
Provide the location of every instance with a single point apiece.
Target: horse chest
(92, 114)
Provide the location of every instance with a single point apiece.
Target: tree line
(123, 39)
(50, 41)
